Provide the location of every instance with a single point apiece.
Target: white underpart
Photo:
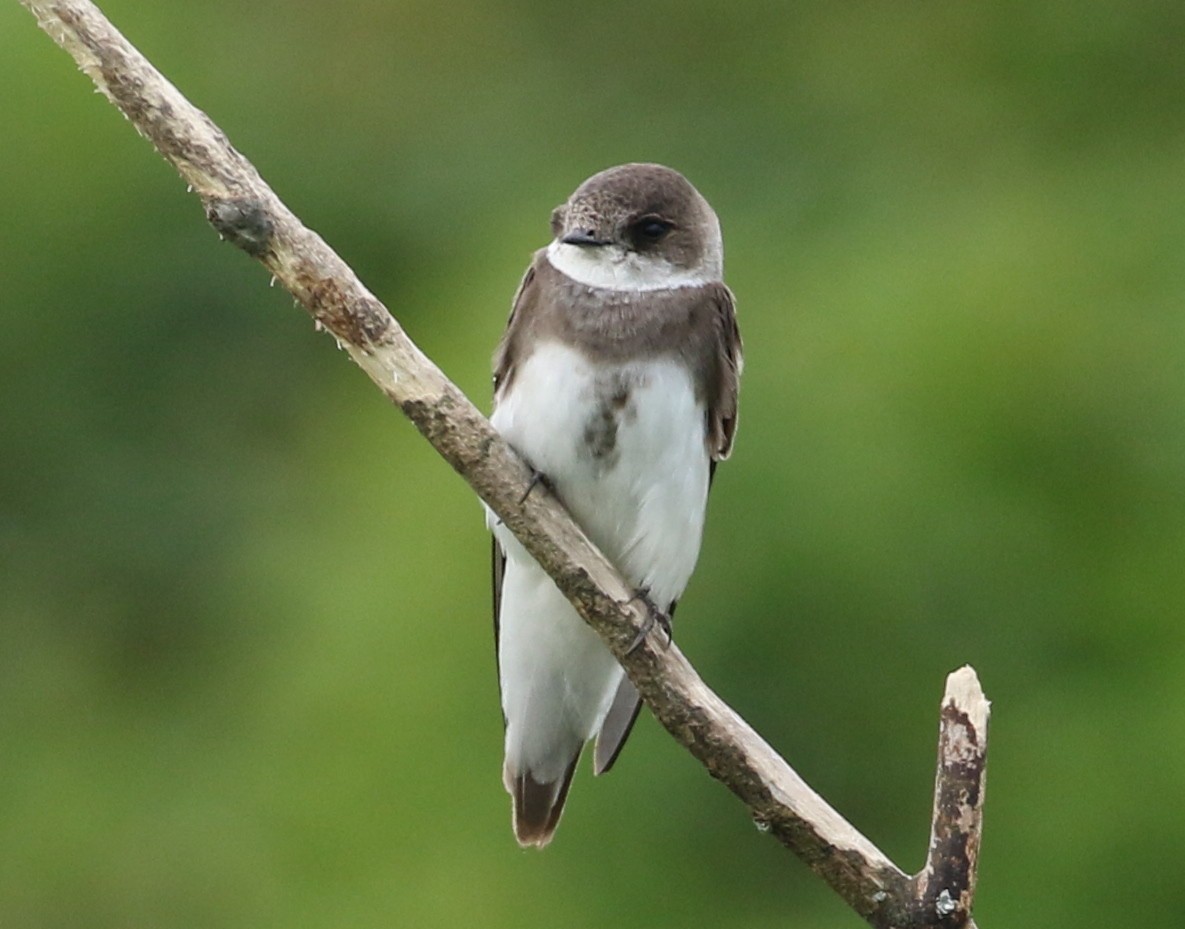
(615, 268)
(646, 513)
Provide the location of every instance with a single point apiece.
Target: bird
(616, 380)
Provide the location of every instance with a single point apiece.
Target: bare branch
(947, 884)
(246, 212)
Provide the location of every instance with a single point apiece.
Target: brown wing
(725, 378)
(618, 724)
(498, 566)
(507, 352)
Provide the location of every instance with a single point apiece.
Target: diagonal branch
(246, 212)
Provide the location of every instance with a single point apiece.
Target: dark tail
(537, 807)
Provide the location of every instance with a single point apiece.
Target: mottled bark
(248, 214)
(946, 885)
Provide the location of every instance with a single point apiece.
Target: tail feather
(537, 807)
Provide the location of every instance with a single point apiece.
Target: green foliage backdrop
(246, 676)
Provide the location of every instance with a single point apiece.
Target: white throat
(612, 267)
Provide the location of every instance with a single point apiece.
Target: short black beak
(582, 238)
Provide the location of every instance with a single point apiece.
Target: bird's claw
(654, 617)
(537, 478)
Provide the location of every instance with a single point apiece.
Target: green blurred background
(246, 676)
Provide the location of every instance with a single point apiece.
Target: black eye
(652, 228)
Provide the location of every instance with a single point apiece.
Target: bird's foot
(654, 617)
(538, 478)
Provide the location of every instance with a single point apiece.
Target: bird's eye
(652, 228)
